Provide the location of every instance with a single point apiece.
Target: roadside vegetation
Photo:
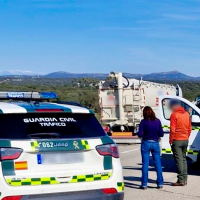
(84, 90)
(81, 91)
(191, 89)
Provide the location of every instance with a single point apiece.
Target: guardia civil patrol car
(55, 151)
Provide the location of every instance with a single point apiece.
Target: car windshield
(49, 125)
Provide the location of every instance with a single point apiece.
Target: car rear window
(60, 125)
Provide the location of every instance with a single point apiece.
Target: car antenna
(32, 95)
(36, 103)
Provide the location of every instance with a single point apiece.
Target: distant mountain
(173, 75)
(62, 74)
(17, 72)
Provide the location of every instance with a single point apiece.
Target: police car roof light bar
(28, 95)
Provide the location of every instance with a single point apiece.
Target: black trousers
(179, 148)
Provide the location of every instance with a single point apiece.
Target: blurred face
(174, 107)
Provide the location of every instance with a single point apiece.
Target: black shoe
(178, 184)
(143, 188)
(160, 187)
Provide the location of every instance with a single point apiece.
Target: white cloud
(18, 72)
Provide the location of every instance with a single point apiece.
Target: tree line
(84, 91)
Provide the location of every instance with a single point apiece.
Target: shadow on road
(168, 166)
(135, 182)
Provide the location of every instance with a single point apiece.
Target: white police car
(55, 151)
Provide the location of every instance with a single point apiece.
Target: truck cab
(164, 116)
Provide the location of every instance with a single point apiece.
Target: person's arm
(141, 130)
(173, 124)
(161, 132)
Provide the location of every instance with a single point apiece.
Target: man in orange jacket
(180, 130)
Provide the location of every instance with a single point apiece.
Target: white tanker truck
(122, 101)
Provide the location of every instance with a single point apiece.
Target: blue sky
(136, 36)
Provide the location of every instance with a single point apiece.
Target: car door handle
(63, 179)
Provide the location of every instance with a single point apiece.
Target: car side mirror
(195, 119)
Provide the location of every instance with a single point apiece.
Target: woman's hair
(149, 114)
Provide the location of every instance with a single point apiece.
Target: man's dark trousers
(179, 148)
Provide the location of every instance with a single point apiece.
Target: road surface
(131, 161)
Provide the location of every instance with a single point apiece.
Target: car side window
(191, 112)
(167, 111)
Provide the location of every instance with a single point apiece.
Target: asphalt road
(131, 161)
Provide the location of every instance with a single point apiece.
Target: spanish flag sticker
(21, 165)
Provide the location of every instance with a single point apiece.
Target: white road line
(131, 150)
